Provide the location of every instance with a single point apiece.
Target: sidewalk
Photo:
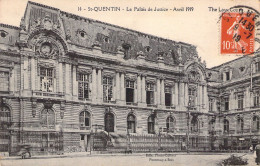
(95, 153)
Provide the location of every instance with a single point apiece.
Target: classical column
(173, 95)
(94, 85)
(143, 90)
(139, 89)
(100, 87)
(60, 77)
(118, 87)
(67, 79)
(176, 95)
(181, 92)
(186, 94)
(135, 93)
(33, 73)
(12, 81)
(206, 98)
(200, 103)
(158, 92)
(74, 80)
(162, 93)
(25, 74)
(122, 85)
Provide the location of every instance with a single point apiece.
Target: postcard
(115, 82)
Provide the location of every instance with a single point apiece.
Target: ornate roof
(85, 32)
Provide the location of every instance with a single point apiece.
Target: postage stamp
(237, 33)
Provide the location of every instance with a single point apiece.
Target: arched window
(256, 125)
(194, 125)
(109, 122)
(240, 125)
(48, 118)
(170, 124)
(5, 116)
(151, 122)
(226, 126)
(212, 125)
(84, 119)
(131, 123)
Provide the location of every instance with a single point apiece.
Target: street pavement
(142, 159)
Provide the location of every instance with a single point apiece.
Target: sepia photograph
(116, 82)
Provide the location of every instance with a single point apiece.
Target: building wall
(48, 44)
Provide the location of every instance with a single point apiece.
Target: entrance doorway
(85, 142)
(225, 143)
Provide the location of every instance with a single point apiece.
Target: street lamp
(188, 126)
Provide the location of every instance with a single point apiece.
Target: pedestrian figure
(257, 148)
(251, 149)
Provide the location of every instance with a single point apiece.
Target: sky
(200, 27)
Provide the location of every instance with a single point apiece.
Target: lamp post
(188, 127)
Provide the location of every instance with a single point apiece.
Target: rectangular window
(192, 97)
(227, 76)
(226, 103)
(107, 89)
(256, 98)
(240, 100)
(4, 81)
(149, 93)
(168, 95)
(211, 104)
(257, 66)
(83, 86)
(130, 86)
(46, 79)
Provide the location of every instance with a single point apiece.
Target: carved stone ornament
(46, 23)
(46, 46)
(193, 76)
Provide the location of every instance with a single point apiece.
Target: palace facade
(70, 84)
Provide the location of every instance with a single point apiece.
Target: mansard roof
(9, 34)
(84, 32)
(240, 68)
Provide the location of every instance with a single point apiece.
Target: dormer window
(227, 76)
(3, 33)
(106, 39)
(126, 48)
(242, 69)
(82, 34)
(147, 49)
(226, 73)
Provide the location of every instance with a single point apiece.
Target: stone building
(69, 83)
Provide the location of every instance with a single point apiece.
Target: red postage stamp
(237, 33)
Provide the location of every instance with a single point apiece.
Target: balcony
(85, 128)
(152, 105)
(212, 132)
(131, 103)
(231, 131)
(109, 101)
(84, 99)
(48, 94)
(170, 107)
(226, 132)
(256, 105)
(255, 130)
(239, 109)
